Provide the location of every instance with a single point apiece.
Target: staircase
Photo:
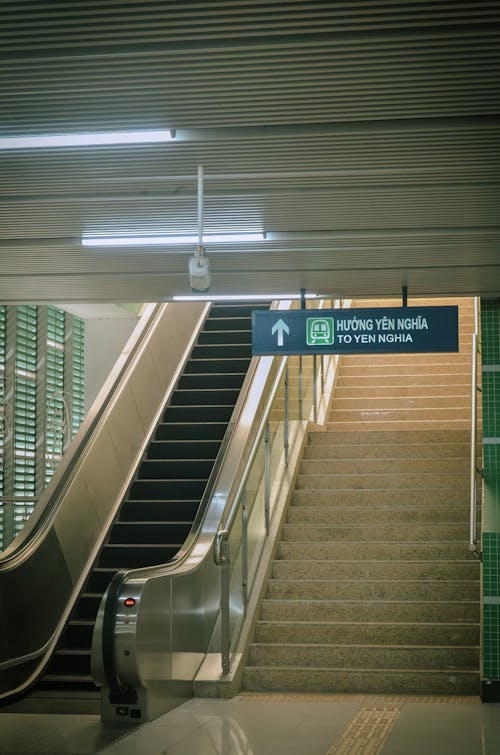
(373, 589)
(159, 509)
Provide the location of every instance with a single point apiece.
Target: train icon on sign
(319, 331)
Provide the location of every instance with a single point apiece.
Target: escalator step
(137, 556)
(212, 380)
(236, 310)
(70, 661)
(191, 431)
(184, 449)
(164, 490)
(220, 365)
(172, 469)
(147, 533)
(218, 351)
(206, 397)
(226, 323)
(87, 606)
(198, 413)
(225, 337)
(159, 511)
(77, 633)
(99, 580)
(73, 682)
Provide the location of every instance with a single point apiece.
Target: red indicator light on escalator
(129, 602)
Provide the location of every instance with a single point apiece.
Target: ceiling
(362, 136)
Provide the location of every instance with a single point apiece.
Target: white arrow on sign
(281, 327)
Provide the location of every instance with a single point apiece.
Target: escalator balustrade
(156, 516)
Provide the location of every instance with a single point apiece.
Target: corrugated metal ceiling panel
(375, 123)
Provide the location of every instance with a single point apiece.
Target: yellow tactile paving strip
(347, 698)
(367, 731)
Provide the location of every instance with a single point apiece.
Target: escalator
(157, 513)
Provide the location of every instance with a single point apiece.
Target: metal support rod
(224, 630)
(199, 250)
(322, 373)
(285, 426)
(267, 479)
(302, 298)
(473, 440)
(244, 548)
(300, 386)
(404, 294)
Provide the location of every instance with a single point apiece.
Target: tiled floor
(273, 725)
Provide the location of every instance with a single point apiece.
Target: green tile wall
(490, 335)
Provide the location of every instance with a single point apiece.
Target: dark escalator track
(157, 514)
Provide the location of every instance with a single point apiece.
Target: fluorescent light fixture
(214, 238)
(86, 139)
(243, 297)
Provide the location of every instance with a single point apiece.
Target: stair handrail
(474, 469)
(239, 507)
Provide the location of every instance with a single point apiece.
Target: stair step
(377, 514)
(373, 497)
(449, 657)
(354, 379)
(375, 551)
(369, 403)
(346, 391)
(393, 451)
(407, 424)
(376, 435)
(394, 481)
(408, 370)
(388, 589)
(399, 414)
(364, 681)
(384, 466)
(391, 569)
(417, 611)
(358, 633)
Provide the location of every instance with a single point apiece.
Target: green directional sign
(319, 331)
(371, 330)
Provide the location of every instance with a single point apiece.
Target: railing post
(315, 389)
(267, 479)
(221, 558)
(473, 438)
(300, 386)
(285, 425)
(244, 548)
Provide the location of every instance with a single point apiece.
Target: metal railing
(475, 470)
(243, 532)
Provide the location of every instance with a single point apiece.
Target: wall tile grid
(490, 335)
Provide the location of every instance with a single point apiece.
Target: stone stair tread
(315, 622)
(373, 587)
